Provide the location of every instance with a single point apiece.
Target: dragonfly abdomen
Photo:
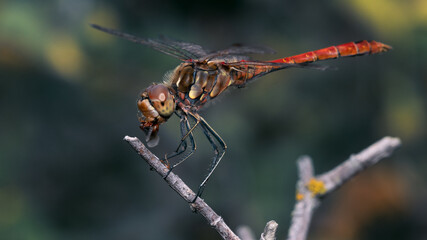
(343, 50)
(245, 73)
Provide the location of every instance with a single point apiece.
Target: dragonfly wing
(196, 51)
(242, 50)
(181, 50)
(238, 50)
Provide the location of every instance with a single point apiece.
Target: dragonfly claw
(166, 162)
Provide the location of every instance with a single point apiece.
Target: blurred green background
(68, 97)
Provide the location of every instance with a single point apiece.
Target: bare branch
(358, 162)
(310, 188)
(270, 231)
(183, 190)
(303, 210)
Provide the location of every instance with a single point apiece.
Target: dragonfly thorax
(196, 83)
(156, 105)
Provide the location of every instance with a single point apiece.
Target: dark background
(68, 97)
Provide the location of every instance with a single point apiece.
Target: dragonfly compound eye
(161, 99)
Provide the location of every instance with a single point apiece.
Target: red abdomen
(343, 50)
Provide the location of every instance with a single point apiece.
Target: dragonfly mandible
(204, 75)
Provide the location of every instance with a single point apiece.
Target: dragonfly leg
(213, 138)
(186, 132)
(191, 141)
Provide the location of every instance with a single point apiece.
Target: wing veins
(164, 47)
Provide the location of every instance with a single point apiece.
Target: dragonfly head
(156, 105)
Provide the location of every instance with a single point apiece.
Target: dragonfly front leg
(182, 144)
(186, 132)
(213, 137)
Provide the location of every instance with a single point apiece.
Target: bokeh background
(68, 97)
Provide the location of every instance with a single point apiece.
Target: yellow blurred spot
(388, 17)
(65, 55)
(316, 187)
(299, 196)
(420, 11)
(405, 115)
(11, 207)
(105, 17)
(406, 119)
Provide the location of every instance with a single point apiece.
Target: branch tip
(305, 168)
(270, 231)
(394, 141)
(129, 139)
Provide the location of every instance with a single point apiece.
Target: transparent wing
(181, 50)
(196, 51)
(238, 50)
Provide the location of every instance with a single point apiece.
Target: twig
(311, 188)
(270, 231)
(183, 190)
(358, 162)
(303, 210)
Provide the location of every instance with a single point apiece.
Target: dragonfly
(203, 75)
